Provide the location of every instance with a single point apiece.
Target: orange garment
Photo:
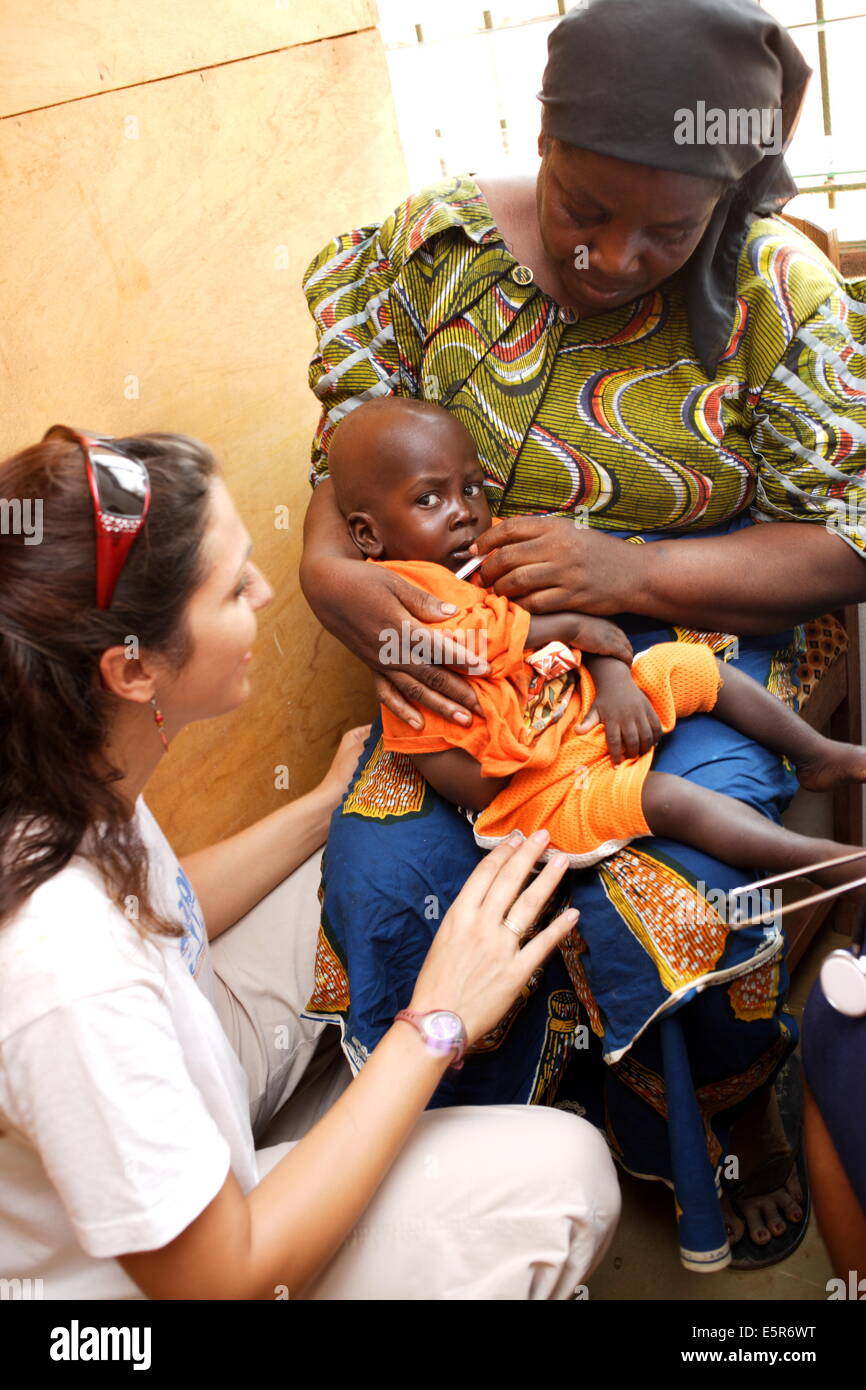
(560, 780)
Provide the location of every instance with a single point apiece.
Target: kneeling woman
(128, 1164)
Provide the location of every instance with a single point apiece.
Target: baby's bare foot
(832, 764)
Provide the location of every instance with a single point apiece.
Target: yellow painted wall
(167, 172)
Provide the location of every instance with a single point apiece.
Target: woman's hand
(335, 782)
(550, 563)
(371, 609)
(631, 725)
(476, 966)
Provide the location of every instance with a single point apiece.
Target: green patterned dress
(612, 413)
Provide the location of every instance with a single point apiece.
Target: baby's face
(436, 508)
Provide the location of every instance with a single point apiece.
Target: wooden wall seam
(181, 72)
(63, 50)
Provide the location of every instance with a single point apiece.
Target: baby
(408, 482)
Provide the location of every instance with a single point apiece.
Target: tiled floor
(643, 1262)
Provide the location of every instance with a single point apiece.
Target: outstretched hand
(476, 966)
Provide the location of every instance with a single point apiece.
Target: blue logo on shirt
(192, 946)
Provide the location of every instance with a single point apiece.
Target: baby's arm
(579, 630)
(457, 776)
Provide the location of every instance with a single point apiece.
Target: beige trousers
(494, 1202)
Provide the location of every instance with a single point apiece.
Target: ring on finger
(512, 926)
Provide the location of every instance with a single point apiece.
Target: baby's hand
(631, 725)
(599, 636)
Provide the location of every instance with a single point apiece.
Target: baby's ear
(362, 529)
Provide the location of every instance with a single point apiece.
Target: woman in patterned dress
(640, 347)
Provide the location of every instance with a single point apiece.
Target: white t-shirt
(122, 1103)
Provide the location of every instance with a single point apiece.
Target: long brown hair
(54, 712)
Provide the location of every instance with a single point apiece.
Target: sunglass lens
(121, 484)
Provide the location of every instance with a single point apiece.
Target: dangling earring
(159, 721)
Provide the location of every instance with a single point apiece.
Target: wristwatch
(442, 1031)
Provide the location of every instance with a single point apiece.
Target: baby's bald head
(407, 479)
(385, 442)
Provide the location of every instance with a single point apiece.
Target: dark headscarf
(617, 73)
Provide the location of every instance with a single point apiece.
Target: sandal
(774, 1173)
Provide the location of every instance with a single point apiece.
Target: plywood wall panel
(151, 280)
(59, 51)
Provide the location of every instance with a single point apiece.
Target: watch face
(443, 1027)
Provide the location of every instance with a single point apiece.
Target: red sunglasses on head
(120, 488)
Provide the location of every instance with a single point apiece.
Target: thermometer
(470, 567)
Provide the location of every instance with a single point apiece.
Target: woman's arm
(229, 878)
(286, 1229)
(326, 535)
(352, 278)
(763, 578)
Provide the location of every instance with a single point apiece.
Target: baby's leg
(729, 830)
(747, 705)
